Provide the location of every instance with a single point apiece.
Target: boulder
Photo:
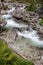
(28, 17)
(18, 12)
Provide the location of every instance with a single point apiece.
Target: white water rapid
(31, 35)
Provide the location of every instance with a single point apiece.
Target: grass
(11, 58)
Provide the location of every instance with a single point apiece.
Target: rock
(18, 16)
(9, 0)
(38, 63)
(11, 36)
(2, 23)
(40, 12)
(30, 17)
(18, 12)
(3, 12)
(32, 13)
(40, 32)
(35, 26)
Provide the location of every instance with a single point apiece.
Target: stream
(31, 35)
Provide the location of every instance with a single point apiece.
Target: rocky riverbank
(23, 28)
(31, 18)
(23, 47)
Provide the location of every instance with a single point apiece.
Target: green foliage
(40, 1)
(32, 6)
(10, 58)
(41, 22)
(32, 3)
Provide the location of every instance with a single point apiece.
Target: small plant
(41, 22)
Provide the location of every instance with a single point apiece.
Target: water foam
(32, 36)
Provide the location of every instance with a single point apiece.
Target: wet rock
(35, 26)
(11, 35)
(9, 0)
(3, 12)
(2, 23)
(40, 12)
(40, 32)
(18, 12)
(17, 16)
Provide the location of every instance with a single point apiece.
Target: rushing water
(31, 35)
(12, 23)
